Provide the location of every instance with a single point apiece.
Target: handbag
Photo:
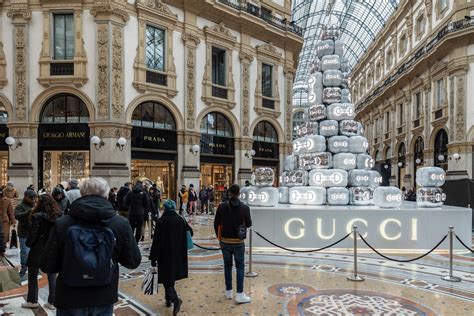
(150, 282)
(9, 276)
(14, 239)
(189, 238)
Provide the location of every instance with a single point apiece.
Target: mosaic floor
(295, 284)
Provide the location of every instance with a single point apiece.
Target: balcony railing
(156, 78)
(219, 92)
(61, 69)
(269, 18)
(452, 27)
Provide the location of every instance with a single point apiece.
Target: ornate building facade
(411, 90)
(150, 79)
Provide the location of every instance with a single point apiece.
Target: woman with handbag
(169, 251)
(43, 216)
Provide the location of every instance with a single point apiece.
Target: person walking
(155, 196)
(232, 219)
(43, 216)
(183, 199)
(60, 197)
(6, 215)
(22, 215)
(94, 217)
(11, 193)
(204, 198)
(121, 194)
(212, 197)
(192, 198)
(73, 192)
(137, 202)
(169, 251)
(113, 198)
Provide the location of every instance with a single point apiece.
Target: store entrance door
(62, 166)
(220, 176)
(161, 172)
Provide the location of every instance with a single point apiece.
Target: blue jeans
(105, 310)
(24, 251)
(238, 251)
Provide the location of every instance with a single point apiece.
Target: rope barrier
(302, 251)
(206, 248)
(462, 243)
(400, 260)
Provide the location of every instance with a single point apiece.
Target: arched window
(298, 119)
(401, 150)
(3, 115)
(378, 156)
(265, 132)
(419, 145)
(388, 153)
(217, 124)
(441, 150)
(65, 108)
(153, 115)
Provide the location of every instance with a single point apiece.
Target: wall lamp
(250, 153)
(456, 157)
(121, 143)
(97, 142)
(400, 164)
(11, 141)
(194, 149)
(418, 161)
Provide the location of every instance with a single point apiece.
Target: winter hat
(169, 205)
(30, 193)
(74, 182)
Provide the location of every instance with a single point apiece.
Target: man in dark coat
(22, 215)
(122, 192)
(93, 209)
(229, 216)
(169, 250)
(138, 203)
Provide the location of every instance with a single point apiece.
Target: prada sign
(217, 145)
(64, 136)
(266, 150)
(152, 138)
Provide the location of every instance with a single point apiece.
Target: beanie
(169, 205)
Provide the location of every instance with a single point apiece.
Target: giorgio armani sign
(64, 136)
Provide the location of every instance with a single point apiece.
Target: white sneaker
(229, 294)
(242, 298)
(49, 306)
(29, 305)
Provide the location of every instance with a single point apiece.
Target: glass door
(156, 171)
(62, 166)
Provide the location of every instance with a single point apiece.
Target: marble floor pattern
(295, 284)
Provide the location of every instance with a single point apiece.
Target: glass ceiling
(359, 21)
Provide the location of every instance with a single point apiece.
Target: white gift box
(430, 197)
(337, 196)
(350, 128)
(361, 196)
(328, 128)
(358, 144)
(317, 112)
(291, 162)
(263, 196)
(375, 179)
(359, 178)
(295, 178)
(340, 111)
(315, 86)
(324, 48)
(388, 197)
(307, 128)
(331, 95)
(329, 62)
(328, 178)
(311, 161)
(430, 177)
(307, 195)
(332, 78)
(283, 195)
(338, 144)
(264, 176)
(344, 161)
(365, 161)
(309, 144)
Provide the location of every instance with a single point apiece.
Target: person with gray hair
(86, 286)
(72, 192)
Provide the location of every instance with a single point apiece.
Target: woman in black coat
(43, 216)
(169, 250)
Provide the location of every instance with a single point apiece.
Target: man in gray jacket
(73, 192)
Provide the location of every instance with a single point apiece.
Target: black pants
(136, 222)
(33, 286)
(170, 292)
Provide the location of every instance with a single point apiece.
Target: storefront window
(265, 132)
(153, 115)
(65, 109)
(216, 124)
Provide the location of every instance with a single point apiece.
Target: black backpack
(88, 256)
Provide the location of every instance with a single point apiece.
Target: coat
(92, 210)
(7, 216)
(22, 215)
(169, 247)
(137, 202)
(38, 236)
(73, 195)
(12, 195)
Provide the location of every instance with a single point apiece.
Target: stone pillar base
(190, 174)
(22, 175)
(243, 175)
(115, 173)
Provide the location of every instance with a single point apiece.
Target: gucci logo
(262, 196)
(393, 197)
(311, 94)
(435, 176)
(338, 196)
(336, 178)
(349, 161)
(296, 196)
(340, 144)
(339, 110)
(328, 127)
(362, 178)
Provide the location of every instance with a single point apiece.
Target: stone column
(109, 161)
(243, 161)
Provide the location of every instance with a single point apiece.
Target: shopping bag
(9, 276)
(189, 240)
(150, 282)
(14, 239)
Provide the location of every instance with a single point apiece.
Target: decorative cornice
(270, 50)
(191, 38)
(110, 7)
(158, 6)
(220, 31)
(245, 57)
(19, 10)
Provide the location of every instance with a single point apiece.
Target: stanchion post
(451, 277)
(250, 273)
(355, 276)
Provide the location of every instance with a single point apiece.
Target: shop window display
(219, 176)
(159, 172)
(61, 166)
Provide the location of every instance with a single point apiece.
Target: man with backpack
(86, 247)
(122, 192)
(230, 224)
